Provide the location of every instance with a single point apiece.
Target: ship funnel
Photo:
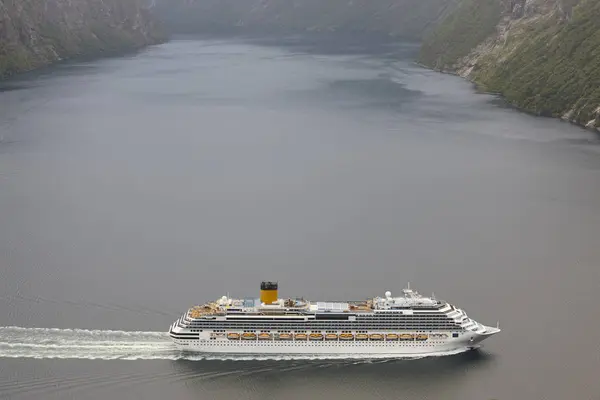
(268, 292)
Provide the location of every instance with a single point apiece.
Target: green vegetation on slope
(13, 60)
(34, 33)
(461, 31)
(546, 62)
(554, 67)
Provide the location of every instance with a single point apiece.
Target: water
(131, 188)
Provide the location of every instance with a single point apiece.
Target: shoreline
(500, 95)
(92, 56)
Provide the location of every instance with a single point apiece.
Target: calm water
(132, 188)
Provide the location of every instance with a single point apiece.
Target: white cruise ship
(407, 325)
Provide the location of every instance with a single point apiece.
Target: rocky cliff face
(542, 55)
(407, 18)
(34, 33)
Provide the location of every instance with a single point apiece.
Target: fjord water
(133, 187)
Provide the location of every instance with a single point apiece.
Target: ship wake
(43, 343)
(17, 342)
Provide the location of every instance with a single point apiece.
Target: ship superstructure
(406, 325)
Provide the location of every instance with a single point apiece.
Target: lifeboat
(407, 336)
(300, 336)
(248, 336)
(285, 336)
(264, 336)
(233, 336)
(444, 336)
(362, 336)
(422, 336)
(331, 336)
(376, 336)
(346, 336)
(391, 336)
(316, 336)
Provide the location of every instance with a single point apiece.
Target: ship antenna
(498, 325)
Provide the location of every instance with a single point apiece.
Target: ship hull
(334, 348)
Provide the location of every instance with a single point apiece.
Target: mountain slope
(407, 18)
(542, 55)
(34, 33)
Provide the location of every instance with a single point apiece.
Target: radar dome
(388, 294)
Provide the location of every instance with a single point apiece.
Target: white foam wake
(18, 342)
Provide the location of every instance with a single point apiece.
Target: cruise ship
(406, 325)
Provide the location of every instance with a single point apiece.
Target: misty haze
(158, 155)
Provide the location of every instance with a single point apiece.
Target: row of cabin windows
(324, 323)
(403, 321)
(329, 328)
(327, 324)
(338, 327)
(452, 328)
(268, 331)
(400, 316)
(276, 322)
(354, 332)
(358, 319)
(446, 321)
(333, 315)
(321, 343)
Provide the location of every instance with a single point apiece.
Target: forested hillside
(542, 55)
(34, 33)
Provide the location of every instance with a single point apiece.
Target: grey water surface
(134, 187)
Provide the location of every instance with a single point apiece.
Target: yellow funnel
(268, 292)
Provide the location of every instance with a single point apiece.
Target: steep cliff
(542, 55)
(34, 33)
(407, 18)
